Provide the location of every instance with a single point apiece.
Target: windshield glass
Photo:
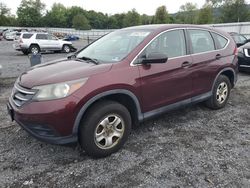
(114, 46)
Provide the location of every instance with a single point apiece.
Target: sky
(114, 6)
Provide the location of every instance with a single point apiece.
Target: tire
(105, 129)
(220, 93)
(66, 48)
(34, 49)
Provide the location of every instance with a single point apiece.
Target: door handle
(186, 64)
(218, 56)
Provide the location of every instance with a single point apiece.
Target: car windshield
(114, 46)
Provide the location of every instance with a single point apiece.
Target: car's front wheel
(220, 93)
(66, 48)
(105, 128)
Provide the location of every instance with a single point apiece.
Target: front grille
(21, 95)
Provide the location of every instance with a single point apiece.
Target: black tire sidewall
(89, 124)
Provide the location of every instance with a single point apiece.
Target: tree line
(33, 13)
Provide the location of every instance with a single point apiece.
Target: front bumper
(244, 62)
(48, 121)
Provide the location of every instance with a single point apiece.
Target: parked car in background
(244, 57)
(17, 36)
(71, 38)
(243, 51)
(38, 42)
(239, 39)
(10, 35)
(130, 75)
(1, 69)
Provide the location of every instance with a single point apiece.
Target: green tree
(205, 15)
(188, 13)
(120, 19)
(72, 12)
(81, 22)
(132, 18)
(112, 23)
(4, 14)
(97, 20)
(235, 11)
(161, 15)
(145, 19)
(29, 13)
(57, 16)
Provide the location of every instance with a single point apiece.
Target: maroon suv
(96, 95)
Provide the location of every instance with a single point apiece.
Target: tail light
(236, 51)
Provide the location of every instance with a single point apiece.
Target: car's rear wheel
(220, 93)
(105, 128)
(34, 49)
(66, 48)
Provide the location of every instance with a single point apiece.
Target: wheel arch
(124, 97)
(35, 44)
(228, 72)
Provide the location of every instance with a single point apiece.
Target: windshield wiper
(88, 59)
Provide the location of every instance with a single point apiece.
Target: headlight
(59, 90)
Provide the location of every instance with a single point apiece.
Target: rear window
(201, 41)
(221, 41)
(27, 35)
(42, 36)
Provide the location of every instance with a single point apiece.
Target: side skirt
(177, 105)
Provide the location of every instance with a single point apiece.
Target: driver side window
(171, 43)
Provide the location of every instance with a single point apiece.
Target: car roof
(166, 26)
(162, 27)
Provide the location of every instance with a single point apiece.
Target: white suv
(37, 42)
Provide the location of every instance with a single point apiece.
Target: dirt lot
(190, 147)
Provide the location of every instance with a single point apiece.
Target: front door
(169, 82)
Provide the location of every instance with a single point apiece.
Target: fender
(223, 70)
(101, 95)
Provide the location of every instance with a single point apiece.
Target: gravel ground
(190, 147)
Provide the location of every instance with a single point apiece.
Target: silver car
(37, 42)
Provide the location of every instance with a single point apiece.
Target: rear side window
(41, 36)
(171, 43)
(201, 41)
(220, 40)
(27, 35)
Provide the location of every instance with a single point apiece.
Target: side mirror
(154, 58)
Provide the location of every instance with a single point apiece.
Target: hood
(60, 71)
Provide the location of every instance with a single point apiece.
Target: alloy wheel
(109, 131)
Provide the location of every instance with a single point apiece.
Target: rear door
(42, 40)
(205, 60)
(170, 82)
